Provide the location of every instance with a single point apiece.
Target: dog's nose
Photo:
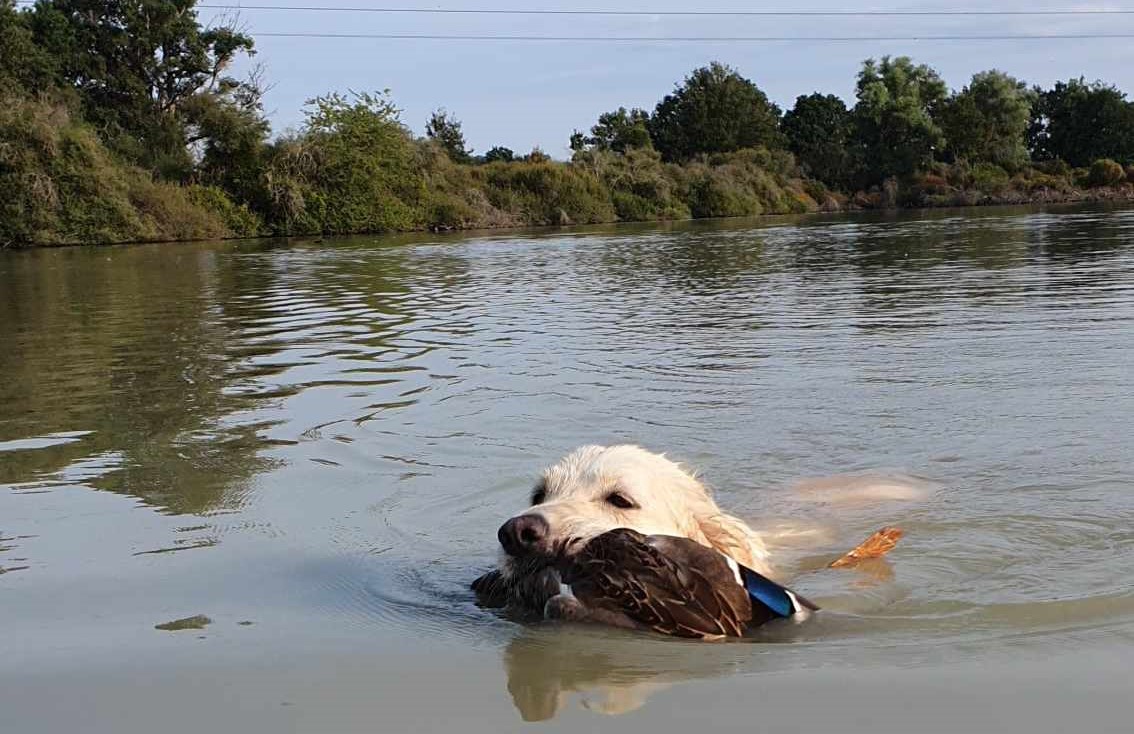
(523, 534)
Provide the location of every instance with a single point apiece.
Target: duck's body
(670, 585)
(663, 583)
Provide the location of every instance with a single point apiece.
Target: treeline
(121, 121)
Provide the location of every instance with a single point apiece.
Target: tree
(137, 65)
(499, 153)
(228, 134)
(1080, 122)
(715, 110)
(446, 130)
(353, 168)
(895, 117)
(987, 121)
(819, 132)
(24, 65)
(617, 131)
(537, 156)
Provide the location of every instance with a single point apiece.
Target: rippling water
(312, 444)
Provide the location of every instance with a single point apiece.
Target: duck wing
(670, 585)
(771, 600)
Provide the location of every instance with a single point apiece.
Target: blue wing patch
(781, 601)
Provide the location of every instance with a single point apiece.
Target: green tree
(353, 168)
(618, 131)
(1080, 122)
(715, 110)
(819, 131)
(137, 65)
(895, 117)
(24, 65)
(228, 133)
(987, 121)
(446, 131)
(499, 153)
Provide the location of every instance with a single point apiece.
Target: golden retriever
(599, 488)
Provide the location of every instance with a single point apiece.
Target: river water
(312, 443)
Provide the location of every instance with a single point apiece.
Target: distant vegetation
(121, 121)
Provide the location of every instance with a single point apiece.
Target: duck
(669, 585)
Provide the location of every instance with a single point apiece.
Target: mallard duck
(670, 585)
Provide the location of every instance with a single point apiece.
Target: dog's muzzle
(525, 535)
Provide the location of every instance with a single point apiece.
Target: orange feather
(876, 546)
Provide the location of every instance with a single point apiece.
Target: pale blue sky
(522, 94)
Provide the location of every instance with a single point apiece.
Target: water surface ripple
(321, 437)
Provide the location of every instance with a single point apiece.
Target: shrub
(715, 192)
(1105, 172)
(238, 218)
(989, 178)
(927, 189)
(547, 192)
(499, 153)
(63, 186)
(352, 169)
(633, 208)
(1054, 167)
(1032, 181)
(169, 213)
(640, 188)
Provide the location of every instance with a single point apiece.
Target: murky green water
(311, 445)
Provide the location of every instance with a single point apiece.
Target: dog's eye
(539, 496)
(620, 501)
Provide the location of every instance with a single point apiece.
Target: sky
(525, 94)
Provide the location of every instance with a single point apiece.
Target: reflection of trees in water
(875, 270)
(693, 257)
(994, 259)
(173, 356)
(123, 342)
(1081, 259)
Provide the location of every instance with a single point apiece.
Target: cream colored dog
(595, 489)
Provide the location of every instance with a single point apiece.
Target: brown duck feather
(671, 585)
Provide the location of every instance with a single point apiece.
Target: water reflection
(607, 672)
(168, 359)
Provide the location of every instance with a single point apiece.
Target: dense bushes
(352, 169)
(1105, 172)
(62, 185)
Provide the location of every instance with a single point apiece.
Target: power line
(690, 39)
(756, 13)
(653, 13)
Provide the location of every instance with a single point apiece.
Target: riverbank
(74, 191)
(961, 199)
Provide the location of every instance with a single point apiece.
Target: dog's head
(595, 489)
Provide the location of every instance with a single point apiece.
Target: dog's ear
(732, 536)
